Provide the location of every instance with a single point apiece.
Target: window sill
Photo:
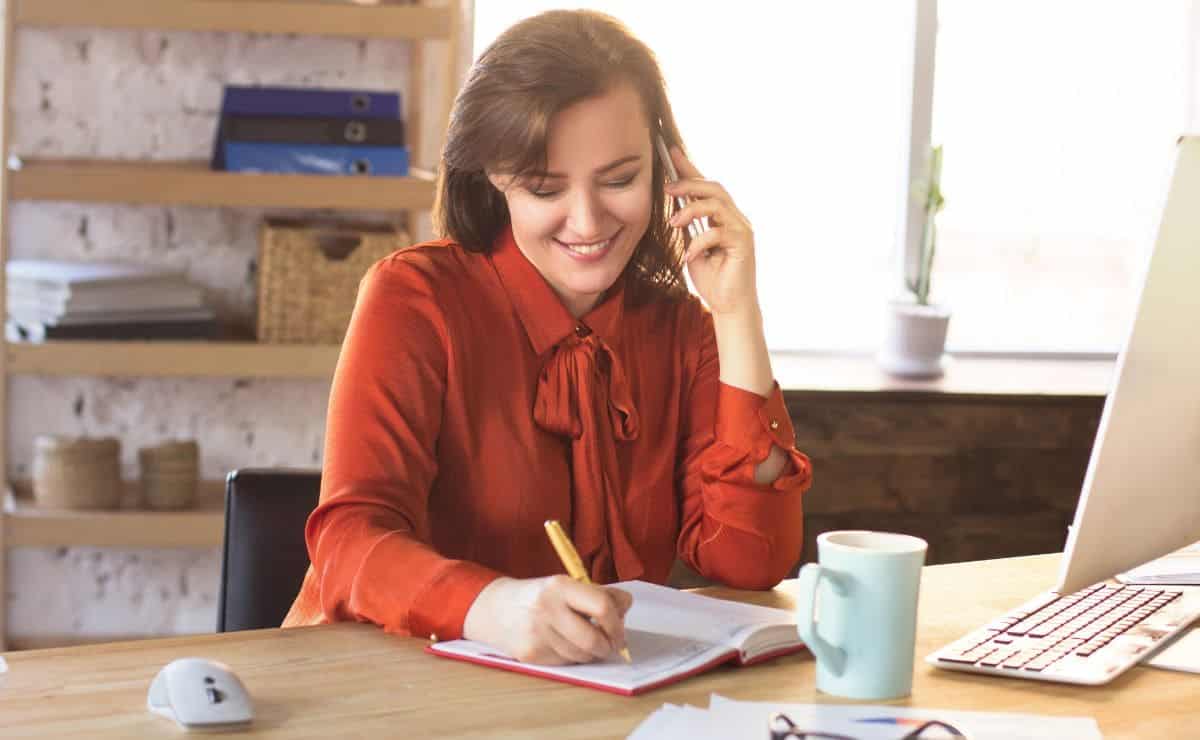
(801, 373)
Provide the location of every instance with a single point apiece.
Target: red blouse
(468, 407)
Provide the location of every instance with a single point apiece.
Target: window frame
(921, 120)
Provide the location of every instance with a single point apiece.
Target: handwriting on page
(654, 655)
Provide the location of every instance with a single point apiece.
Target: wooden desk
(354, 680)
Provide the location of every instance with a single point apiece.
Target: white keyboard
(1088, 637)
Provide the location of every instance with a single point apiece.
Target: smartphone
(697, 226)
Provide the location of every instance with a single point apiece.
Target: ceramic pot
(914, 342)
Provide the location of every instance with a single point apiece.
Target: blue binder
(311, 103)
(314, 159)
(300, 101)
(309, 130)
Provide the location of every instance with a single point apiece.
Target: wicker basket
(308, 275)
(77, 473)
(170, 474)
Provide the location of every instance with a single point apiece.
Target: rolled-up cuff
(751, 423)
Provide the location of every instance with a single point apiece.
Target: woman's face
(580, 223)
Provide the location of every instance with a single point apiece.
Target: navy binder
(300, 101)
(309, 103)
(296, 130)
(314, 159)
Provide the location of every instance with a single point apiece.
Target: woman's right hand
(551, 621)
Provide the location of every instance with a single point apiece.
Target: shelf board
(194, 184)
(173, 359)
(26, 525)
(966, 376)
(249, 16)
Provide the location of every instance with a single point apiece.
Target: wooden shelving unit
(194, 184)
(247, 16)
(26, 525)
(22, 524)
(172, 359)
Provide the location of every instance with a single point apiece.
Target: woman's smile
(589, 252)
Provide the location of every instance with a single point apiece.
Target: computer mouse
(200, 694)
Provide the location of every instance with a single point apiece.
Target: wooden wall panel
(977, 477)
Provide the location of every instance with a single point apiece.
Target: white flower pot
(914, 341)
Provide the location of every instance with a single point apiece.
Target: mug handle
(832, 656)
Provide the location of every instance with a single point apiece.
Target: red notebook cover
(508, 664)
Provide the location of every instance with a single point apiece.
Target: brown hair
(501, 120)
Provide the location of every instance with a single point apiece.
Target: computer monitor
(1141, 495)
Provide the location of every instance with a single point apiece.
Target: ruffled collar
(583, 395)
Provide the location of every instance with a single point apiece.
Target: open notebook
(671, 634)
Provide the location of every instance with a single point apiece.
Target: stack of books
(103, 300)
(310, 131)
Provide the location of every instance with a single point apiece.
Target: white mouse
(200, 694)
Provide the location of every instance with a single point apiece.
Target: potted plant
(914, 342)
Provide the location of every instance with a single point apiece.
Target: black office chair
(265, 557)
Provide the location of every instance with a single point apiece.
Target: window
(1058, 122)
(800, 110)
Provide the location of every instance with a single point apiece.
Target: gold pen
(572, 562)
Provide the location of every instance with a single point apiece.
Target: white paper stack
(102, 300)
(726, 718)
(1180, 568)
(1181, 654)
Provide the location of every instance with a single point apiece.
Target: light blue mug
(865, 587)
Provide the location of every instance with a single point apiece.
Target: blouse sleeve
(734, 530)
(369, 538)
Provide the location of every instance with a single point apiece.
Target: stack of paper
(727, 718)
(1180, 568)
(1182, 653)
(102, 300)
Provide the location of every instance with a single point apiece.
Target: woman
(545, 361)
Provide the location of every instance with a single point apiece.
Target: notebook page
(655, 657)
(669, 632)
(666, 610)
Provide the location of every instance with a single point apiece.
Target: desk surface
(354, 680)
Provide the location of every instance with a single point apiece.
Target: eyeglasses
(783, 728)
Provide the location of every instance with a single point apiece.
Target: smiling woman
(581, 228)
(544, 360)
(560, 143)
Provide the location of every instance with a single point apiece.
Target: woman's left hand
(721, 260)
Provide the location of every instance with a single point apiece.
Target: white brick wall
(138, 95)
